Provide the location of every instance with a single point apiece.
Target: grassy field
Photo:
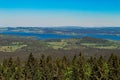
(108, 44)
(12, 47)
(57, 45)
(101, 46)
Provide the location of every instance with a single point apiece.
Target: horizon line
(58, 26)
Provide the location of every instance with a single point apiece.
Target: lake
(60, 36)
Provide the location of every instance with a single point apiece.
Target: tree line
(47, 68)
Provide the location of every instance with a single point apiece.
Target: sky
(39, 13)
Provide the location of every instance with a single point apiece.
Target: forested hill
(61, 68)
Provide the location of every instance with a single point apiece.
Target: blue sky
(60, 13)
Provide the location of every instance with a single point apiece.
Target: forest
(61, 68)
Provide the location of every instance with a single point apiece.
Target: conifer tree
(114, 67)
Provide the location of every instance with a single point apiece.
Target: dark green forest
(61, 68)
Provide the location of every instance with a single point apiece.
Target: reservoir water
(61, 36)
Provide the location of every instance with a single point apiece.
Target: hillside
(21, 46)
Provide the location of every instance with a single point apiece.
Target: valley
(20, 42)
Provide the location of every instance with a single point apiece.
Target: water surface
(61, 36)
